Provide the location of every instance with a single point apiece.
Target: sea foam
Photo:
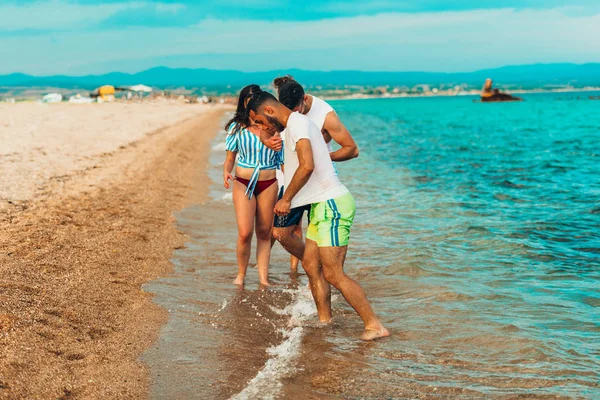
(267, 383)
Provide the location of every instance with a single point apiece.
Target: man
(310, 179)
(288, 231)
(489, 94)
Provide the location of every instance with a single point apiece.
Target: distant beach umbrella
(140, 88)
(52, 98)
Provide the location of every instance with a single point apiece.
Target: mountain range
(521, 76)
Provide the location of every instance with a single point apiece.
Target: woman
(254, 187)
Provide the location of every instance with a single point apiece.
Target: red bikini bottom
(260, 187)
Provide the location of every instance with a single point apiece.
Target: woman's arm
(228, 167)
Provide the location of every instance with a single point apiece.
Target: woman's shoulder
(235, 129)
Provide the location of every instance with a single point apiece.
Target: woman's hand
(226, 178)
(228, 167)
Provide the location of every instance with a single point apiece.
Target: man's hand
(275, 142)
(283, 207)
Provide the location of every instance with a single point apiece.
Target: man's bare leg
(294, 261)
(332, 261)
(320, 289)
(292, 243)
(282, 233)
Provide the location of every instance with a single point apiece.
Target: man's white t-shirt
(324, 183)
(318, 113)
(319, 110)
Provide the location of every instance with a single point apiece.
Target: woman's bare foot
(265, 283)
(239, 280)
(372, 334)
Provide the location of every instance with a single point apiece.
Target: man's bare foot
(325, 316)
(372, 334)
(239, 280)
(265, 283)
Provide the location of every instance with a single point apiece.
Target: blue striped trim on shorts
(335, 239)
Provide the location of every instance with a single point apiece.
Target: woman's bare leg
(265, 203)
(244, 212)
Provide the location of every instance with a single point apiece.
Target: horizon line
(305, 70)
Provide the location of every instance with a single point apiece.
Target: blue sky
(82, 37)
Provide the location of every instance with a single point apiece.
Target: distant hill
(523, 76)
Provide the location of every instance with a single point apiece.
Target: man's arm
(305, 169)
(340, 134)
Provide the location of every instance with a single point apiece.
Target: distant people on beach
(291, 94)
(489, 94)
(254, 187)
(312, 182)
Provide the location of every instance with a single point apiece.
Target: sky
(48, 37)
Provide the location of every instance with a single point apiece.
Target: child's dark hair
(241, 119)
(289, 91)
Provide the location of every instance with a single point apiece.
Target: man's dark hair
(290, 92)
(259, 100)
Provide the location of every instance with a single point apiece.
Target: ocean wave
(219, 146)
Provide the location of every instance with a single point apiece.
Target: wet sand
(217, 336)
(82, 236)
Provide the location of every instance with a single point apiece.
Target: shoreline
(251, 337)
(477, 94)
(74, 318)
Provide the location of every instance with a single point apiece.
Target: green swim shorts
(330, 221)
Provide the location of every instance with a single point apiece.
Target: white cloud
(59, 15)
(479, 31)
(441, 41)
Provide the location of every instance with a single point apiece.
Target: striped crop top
(252, 154)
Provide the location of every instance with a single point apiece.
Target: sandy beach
(86, 205)
(41, 144)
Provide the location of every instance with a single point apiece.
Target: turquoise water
(477, 240)
(478, 233)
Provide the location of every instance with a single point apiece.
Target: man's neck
(285, 116)
(309, 103)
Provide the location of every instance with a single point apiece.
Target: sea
(476, 239)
